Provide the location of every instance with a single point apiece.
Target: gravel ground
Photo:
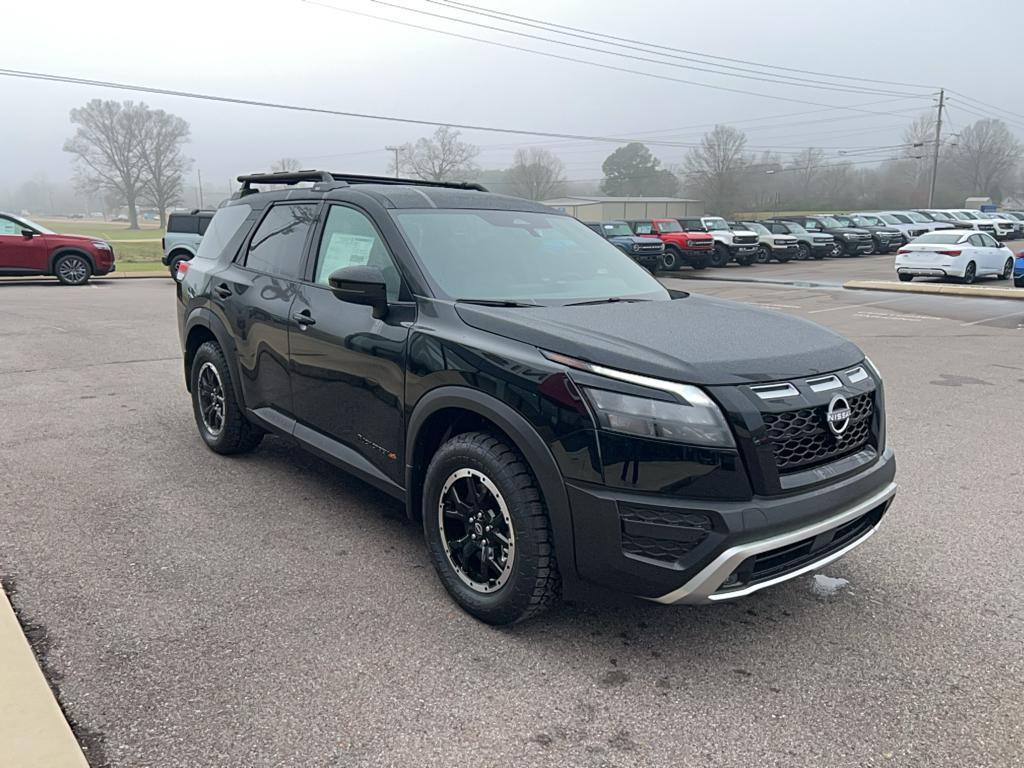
(268, 610)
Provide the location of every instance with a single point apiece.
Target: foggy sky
(291, 51)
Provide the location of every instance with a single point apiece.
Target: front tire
(72, 269)
(669, 260)
(487, 531)
(222, 423)
(1007, 270)
(803, 252)
(764, 254)
(719, 256)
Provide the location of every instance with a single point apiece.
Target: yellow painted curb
(33, 731)
(977, 291)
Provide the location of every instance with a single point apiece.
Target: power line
(990, 106)
(26, 75)
(801, 82)
(467, 7)
(599, 65)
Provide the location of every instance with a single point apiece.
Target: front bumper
(621, 538)
(746, 249)
(823, 249)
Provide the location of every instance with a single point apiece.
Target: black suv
(885, 239)
(645, 251)
(529, 393)
(849, 241)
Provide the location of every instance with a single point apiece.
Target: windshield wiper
(609, 300)
(496, 303)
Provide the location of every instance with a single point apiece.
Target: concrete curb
(33, 731)
(977, 291)
(719, 278)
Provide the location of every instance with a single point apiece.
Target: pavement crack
(89, 365)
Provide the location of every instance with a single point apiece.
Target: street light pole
(935, 155)
(396, 150)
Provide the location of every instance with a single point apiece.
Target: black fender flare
(526, 440)
(66, 250)
(204, 318)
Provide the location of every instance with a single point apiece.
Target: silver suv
(184, 233)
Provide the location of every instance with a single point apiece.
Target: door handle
(222, 290)
(303, 318)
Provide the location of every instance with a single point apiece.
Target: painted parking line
(990, 319)
(895, 316)
(853, 306)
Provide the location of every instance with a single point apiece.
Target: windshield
(845, 221)
(941, 216)
(829, 221)
(938, 237)
(668, 225)
(32, 225)
(519, 256)
(753, 226)
(902, 218)
(715, 224)
(965, 216)
(796, 229)
(885, 217)
(617, 229)
(916, 217)
(860, 221)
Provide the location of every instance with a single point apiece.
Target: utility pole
(396, 150)
(199, 173)
(935, 156)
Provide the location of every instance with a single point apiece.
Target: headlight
(695, 420)
(101, 245)
(873, 367)
(780, 242)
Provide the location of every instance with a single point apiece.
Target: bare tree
(441, 157)
(107, 145)
(536, 174)
(986, 157)
(806, 168)
(286, 164)
(163, 161)
(714, 168)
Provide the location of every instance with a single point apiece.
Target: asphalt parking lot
(268, 610)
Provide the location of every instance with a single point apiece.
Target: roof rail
(294, 177)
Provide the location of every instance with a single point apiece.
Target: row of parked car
(712, 241)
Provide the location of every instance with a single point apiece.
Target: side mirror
(361, 285)
(28, 234)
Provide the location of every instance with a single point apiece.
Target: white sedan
(962, 253)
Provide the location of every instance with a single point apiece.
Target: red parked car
(681, 246)
(27, 248)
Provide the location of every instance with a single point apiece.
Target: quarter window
(351, 240)
(280, 240)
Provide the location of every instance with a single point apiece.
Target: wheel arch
(202, 326)
(450, 410)
(69, 250)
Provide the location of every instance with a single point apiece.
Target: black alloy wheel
(719, 256)
(803, 252)
(73, 269)
(219, 416)
(764, 254)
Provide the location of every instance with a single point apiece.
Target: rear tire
(487, 531)
(222, 423)
(72, 269)
(173, 264)
(970, 274)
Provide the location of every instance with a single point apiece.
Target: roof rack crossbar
(295, 177)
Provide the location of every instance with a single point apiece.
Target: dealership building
(605, 208)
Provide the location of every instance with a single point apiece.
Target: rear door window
(184, 224)
(279, 243)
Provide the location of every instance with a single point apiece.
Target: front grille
(650, 247)
(661, 534)
(801, 439)
(744, 240)
(701, 243)
(777, 562)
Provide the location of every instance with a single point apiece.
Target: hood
(74, 239)
(847, 231)
(696, 339)
(632, 239)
